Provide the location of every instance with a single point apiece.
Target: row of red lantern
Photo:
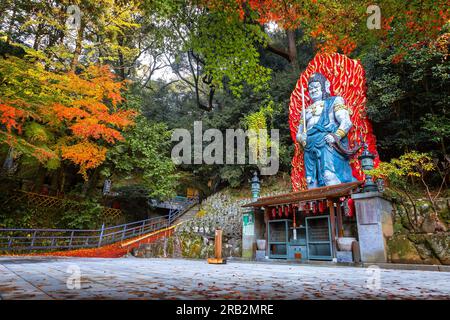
(312, 207)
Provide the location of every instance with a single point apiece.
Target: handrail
(37, 239)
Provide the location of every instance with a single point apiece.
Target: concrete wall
(375, 225)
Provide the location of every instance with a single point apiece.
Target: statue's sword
(304, 131)
(303, 110)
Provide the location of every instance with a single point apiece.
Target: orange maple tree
(80, 111)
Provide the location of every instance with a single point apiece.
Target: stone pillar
(375, 225)
(248, 235)
(251, 224)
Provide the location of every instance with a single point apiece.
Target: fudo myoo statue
(325, 142)
(329, 100)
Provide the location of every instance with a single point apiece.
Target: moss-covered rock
(433, 248)
(440, 245)
(401, 250)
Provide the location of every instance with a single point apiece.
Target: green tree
(145, 154)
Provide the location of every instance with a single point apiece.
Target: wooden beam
(340, 224)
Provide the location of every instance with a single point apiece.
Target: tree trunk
(78, 46)
(93, 181)
(292, 47)
(11, 24)
(40, 179)
(37, 37)
(291, 53)
(89, 185)
(121, 66)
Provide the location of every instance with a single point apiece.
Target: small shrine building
(339, 223)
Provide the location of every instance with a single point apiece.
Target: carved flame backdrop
(347, 79)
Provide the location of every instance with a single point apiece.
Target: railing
(45, 201)
(176, 213)
(48, 239)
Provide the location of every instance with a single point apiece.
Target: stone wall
(195, 237)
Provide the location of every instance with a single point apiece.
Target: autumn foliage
(80, 112)
(340, 26)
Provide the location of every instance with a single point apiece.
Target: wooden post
(218, 244)
(340, 224)
(266, 221)
(217, 249)
(333, 227)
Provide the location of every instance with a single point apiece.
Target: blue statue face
(315, 91)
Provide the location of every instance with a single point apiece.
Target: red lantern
(286, 211)
(321, 207)
(351, 207)
(274, 213)
(306, 206)
(314, 207)
(280, 211)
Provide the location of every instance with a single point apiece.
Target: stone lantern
(107, 186)
(256, 186)
(367, 163)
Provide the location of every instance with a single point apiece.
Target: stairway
(188, 214)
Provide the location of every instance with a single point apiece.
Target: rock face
(429, 242)
(420, 248)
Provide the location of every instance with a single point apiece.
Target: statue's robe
(319, 156)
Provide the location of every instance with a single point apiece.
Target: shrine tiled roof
(328, 192)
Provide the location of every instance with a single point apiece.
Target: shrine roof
(327, 192)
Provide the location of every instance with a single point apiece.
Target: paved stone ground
(133, 278)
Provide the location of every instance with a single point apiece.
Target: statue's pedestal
(375, 225)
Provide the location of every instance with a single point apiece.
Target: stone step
(189, 214)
